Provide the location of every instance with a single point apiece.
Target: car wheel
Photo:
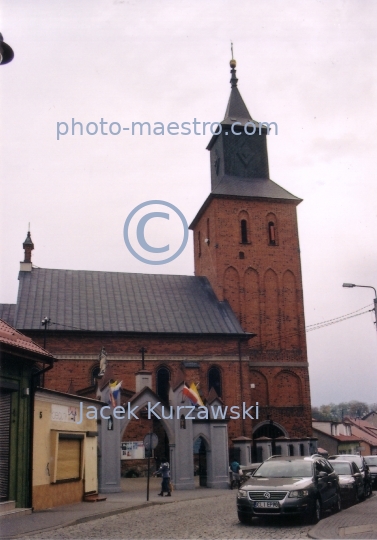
(367, 490)
(338, 504)
(316, 512)
(246, 519)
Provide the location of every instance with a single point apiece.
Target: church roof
(121, 302)
(7, 312)
(256, 188)
(238, 187)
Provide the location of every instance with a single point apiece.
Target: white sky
(309, 66)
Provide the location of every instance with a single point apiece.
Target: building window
(214, 380)
(241, 255)
(302, 450)
(199, 245)
(291, 450)
(163, 384)
(244, 239)
(69, 457)
(271, 233)
(93, 375)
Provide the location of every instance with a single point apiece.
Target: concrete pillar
(245, 445)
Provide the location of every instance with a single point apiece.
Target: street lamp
(351, 285)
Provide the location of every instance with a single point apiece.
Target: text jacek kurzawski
(190, 412)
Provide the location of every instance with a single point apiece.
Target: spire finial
(233, 64)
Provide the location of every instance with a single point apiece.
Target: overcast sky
(308, 66)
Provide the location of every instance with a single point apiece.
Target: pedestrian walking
(164, 470)
(236, 472)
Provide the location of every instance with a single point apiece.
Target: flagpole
(149, 461)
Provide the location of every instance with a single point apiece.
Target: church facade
(236, 328)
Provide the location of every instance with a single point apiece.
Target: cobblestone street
(200, 518)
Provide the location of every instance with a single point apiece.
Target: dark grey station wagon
(290, 486)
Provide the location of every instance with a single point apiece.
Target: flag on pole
(114, 391)
(193, 395)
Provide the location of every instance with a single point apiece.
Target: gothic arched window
(93, 374)
(244, 239)
(163, 378)
(214, 380)
(271, 233)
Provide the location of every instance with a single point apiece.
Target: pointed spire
(236, 110)
(233, 64)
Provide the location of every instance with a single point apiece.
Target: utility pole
(45, 322)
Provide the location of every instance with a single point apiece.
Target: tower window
(199, 245)
(241, 255)
(271, 233)
(214, 380)
(163, 378)
(244, 239)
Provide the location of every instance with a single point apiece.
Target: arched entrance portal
(180, 434)
(200, 460)
(267, 431)
(134, 457)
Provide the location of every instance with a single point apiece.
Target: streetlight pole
(351, 285)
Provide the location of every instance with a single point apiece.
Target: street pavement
(201, 513)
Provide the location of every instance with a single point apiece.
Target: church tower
(246, 243)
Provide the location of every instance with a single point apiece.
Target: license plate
(266, 504)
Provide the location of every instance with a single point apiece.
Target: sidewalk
(116, 503)
(358, 521)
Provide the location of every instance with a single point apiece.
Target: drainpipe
(32, 404)
(240, 362)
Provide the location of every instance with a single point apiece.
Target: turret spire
(233, 64)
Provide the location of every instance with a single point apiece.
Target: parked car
(364, 469)
(350, 481)
(249, 470)
(290, 486)
(371, 461)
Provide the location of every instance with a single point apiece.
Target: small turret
(26, 265)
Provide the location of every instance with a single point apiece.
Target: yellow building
(64, 448)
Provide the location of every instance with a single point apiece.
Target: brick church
(236, 327)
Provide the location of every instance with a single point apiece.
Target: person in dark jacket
(164, 470)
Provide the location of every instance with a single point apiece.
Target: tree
(336, 412)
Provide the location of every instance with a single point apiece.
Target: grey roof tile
(251, 187)
(7, 312)
(121, 302)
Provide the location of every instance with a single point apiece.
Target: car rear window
(342, 468)
(349, 457)
(285, 469)
(371, 460)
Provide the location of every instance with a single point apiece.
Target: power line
(336, 318)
